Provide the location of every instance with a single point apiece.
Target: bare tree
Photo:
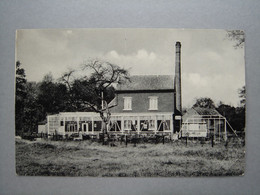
(66, 78)
(91, 90)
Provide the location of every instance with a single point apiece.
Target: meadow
(90, 158)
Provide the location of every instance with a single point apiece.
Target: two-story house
(144, 104)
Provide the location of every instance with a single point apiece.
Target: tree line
(234, 115)
(92, 92)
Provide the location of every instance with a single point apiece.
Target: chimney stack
(178, 76)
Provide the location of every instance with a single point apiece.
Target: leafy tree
(32, 111)
(238, 36)
(241, 111)
(52, 96)
(204, 103)
(242, 95)
(235, 116)
(20, 96)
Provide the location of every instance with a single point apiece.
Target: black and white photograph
(125, 102)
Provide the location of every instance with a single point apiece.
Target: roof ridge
(148, 82)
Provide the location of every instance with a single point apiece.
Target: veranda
(90, 123)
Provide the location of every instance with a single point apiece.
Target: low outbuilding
(203, 122)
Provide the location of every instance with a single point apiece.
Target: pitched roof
(206, 111)
(112, 103)
(148, 82)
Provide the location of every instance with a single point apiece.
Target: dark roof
(206, 111)
(148, 82)
(112, 103)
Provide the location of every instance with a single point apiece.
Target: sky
(211, 66)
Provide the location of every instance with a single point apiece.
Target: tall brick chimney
(178, 77)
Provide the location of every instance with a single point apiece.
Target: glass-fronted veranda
(67, 123)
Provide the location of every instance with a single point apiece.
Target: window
(127, 124)
(151, 124)
(71, 128)
(85, 127)
(143, 125)
(153, 103)
(130, 125)
(127, 103)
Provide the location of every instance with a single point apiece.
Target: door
(84, 127)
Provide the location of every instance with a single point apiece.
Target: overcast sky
(211, 66)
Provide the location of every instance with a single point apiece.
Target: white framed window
(127, 103)
(153, 103)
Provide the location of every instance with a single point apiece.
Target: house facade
(146, 103)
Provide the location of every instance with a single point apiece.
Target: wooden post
(208, 128)
(92, 121)
(225, 128)
(219, 132)
(138, 125)
(155, 125)
(64, 125)
(122, 125)
(77, 124)
(135, 140)
(126, 140)
(163, 139)
(212, 141)
(103, 138)
(214, 125)
(214, 130)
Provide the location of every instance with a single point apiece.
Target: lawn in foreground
(86, 158)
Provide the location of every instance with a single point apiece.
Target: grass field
(87, 158)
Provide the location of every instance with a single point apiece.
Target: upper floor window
(153, 103)
(127, 103)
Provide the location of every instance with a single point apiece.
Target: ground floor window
(134, 125)
(97, 125)
(85, 127)
(151, 124)
(144, 125)
(118, 123)
(163, 125)
(127, 125)
(71, 127)
(115, 126)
